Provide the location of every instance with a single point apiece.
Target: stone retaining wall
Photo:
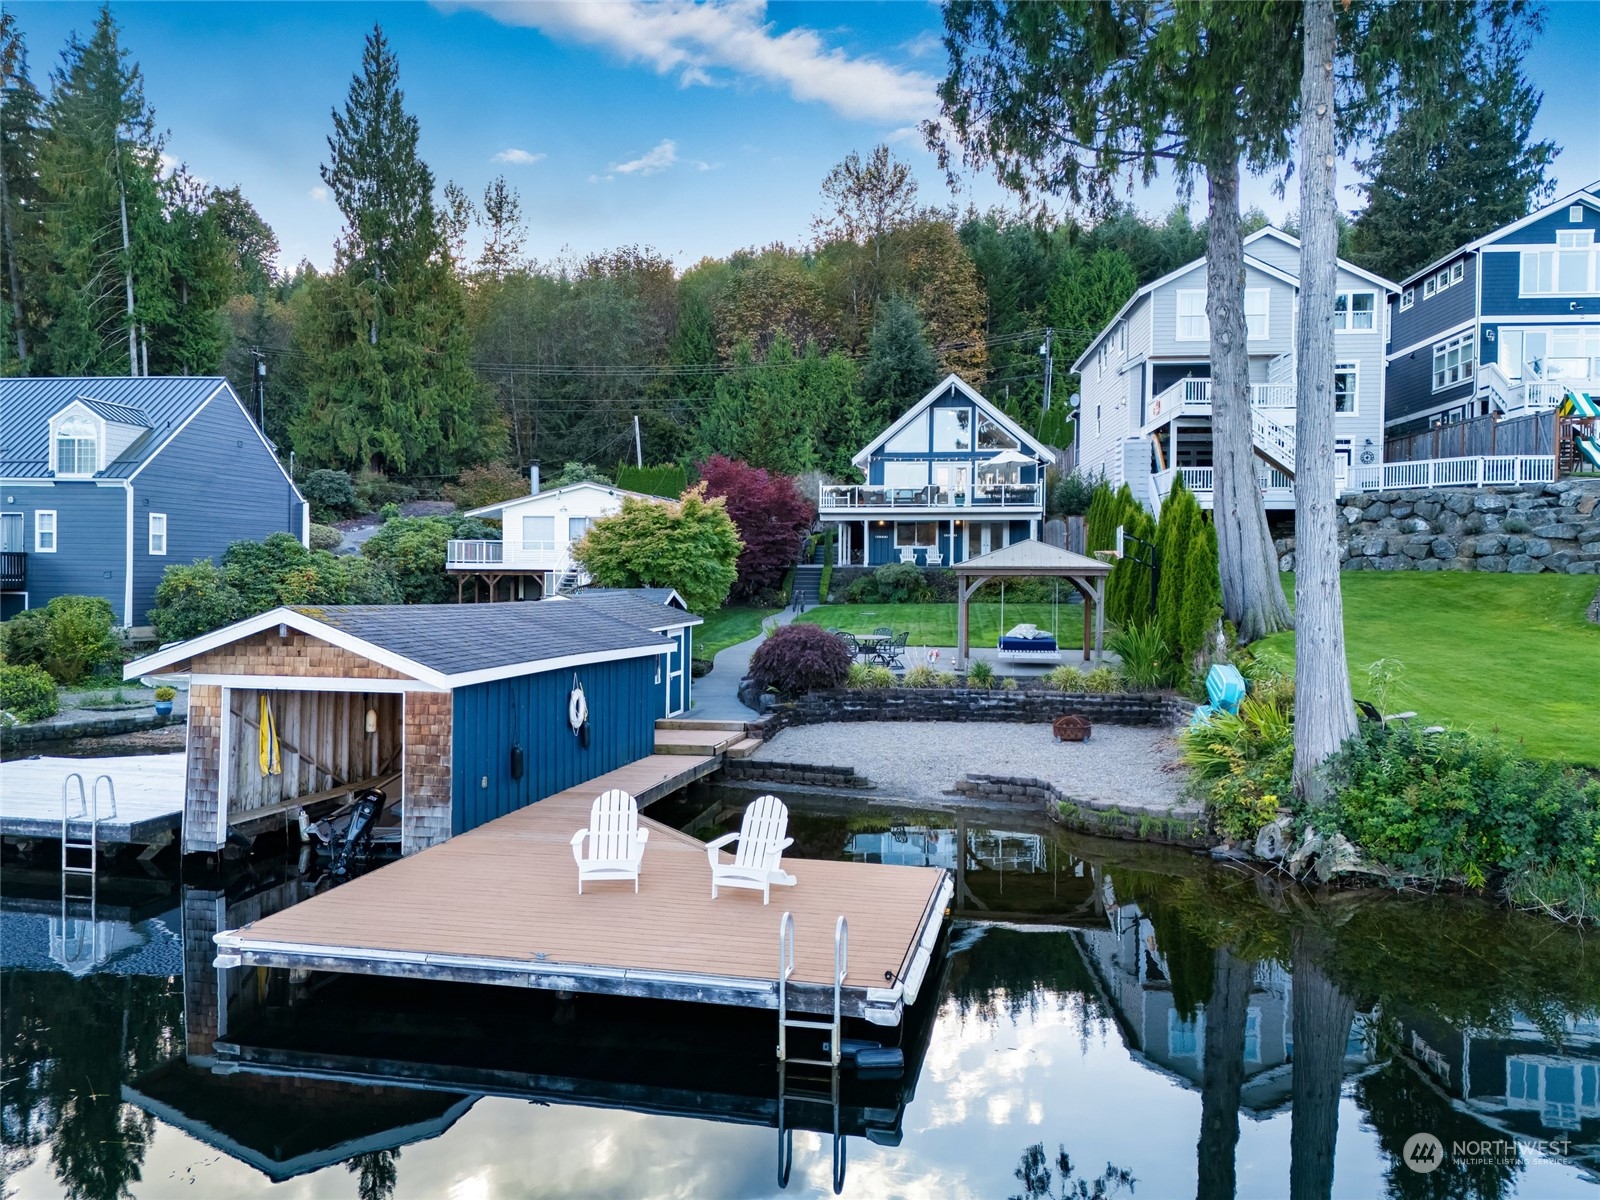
(754, 770)
(1009, 789)
(51, 733)
(1521, 530)
(978, 704)
(1086, 816)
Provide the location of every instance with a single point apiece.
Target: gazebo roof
(1032, 557)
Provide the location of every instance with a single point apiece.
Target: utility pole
(1046, 352)
(638, 445)
(260, 382)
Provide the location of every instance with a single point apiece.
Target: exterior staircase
(807, 586)
(686, 735)
(1273, 441)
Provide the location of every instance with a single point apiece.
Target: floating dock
(149, 798)
(500, 905)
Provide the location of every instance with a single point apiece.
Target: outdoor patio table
(871, 643)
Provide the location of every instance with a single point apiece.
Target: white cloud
(652, 161)
(319, 194)
(702, 43)
(521, 158)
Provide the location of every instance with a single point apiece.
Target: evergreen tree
(188, 334)
(391, 384)
(1439, 180)
(1180, 514)
(900, 367)
(20, 129)
(97, 262)
(1087, 291)
(1202, 593)
(1128, 598)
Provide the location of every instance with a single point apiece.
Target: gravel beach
(1129, 766)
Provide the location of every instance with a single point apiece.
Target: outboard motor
(358, 836)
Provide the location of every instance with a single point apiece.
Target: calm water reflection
(1111, 1020)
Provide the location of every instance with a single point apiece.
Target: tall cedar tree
(771, 515)
(96, 262)
(900, 367)
(1427, 194)
(1180, 524)
(1074, 99)
(393, 386)
(1202, 594)
(21, 123)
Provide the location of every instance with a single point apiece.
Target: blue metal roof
(160, 403)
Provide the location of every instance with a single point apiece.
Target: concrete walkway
(716, 696)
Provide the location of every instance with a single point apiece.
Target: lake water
(1110, 1020)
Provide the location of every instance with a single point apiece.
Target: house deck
(149, 792)
(501, 905)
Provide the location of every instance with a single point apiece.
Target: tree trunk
(1324, 716)
(1222, 1075)
(13, 276)
(1252, 597)
(1322, 1018)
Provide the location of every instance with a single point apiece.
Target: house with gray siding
(1145, 411)
(1503, 325)
(105, 481)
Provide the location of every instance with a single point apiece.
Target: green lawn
(935, 624)
(1512, 652)
(728, 627)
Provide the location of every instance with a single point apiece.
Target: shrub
(25, 638)
(1070, 494)
(1008, 684)
(1102, 680)
(1146, 661)
(414, 550)
(801, 658)
(27, 693)
(389, 512)
(897, 583)
(690, 545)
(575, 472)
(858, 676)
(374, 489)
(331, 495)
(769, 512)
(78, 637)
(669, 481)
(1066, 679)
(980, 673)
(480, 486)
(1242, 764)
(881, 677)
(165, 694)
(920, 677)
(325, 537)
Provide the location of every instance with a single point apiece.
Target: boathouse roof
(647, 608)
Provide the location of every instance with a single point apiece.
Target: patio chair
(849, 639)
(613, 845)
(758, 863)
(883, 631)
(892, 653)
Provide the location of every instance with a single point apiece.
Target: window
(77, 447)
(1428, 287)
(916, 533)
(1569, 269)
(578, 526)
(158, 533)
(1355, 310)
(1575, 214)
(1452, 361)
(538, 533)
(1408, 298)
(1257, 312)
(952, 429)
(1192, 323)
(905, 476)
(1458, 271)
(1186, 1039)
(1252, 1035)
(1344, 387)
(1100, 361)
(993, 436)
(911, 439)
(44, 531)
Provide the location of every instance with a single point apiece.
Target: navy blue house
(105, 481)
(1502, 325)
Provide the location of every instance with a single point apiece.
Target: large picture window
(538, 533)
(1452, 361)
(77, 447)
(952, 429)
(1572, 268)
(912, 439)
(905, 476)
(916, 533)
(993, 436)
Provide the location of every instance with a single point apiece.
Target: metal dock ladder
(810, 1089)
(88, 810)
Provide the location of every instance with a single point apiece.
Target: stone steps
(742, 749)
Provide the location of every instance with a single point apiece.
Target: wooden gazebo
(1035, 558)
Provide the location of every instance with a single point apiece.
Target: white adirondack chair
(758, 861)
(613, 845)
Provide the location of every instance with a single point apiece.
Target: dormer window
(77, 446)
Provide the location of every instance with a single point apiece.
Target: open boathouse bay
(1127, 1018)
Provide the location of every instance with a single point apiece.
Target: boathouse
(461, 713)
(660, 610)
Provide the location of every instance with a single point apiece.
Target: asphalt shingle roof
(636, 607)
(160, 403)
(455, 639)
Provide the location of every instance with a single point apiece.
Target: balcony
(982, 497)
(1192, 398)
(1277, 487)
(13, 570)
(1531, 393)
(473, 554)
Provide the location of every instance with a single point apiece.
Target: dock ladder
(88, 810)
(810, 1089)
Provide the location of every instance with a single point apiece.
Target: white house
(534, 552)
(1146, 391)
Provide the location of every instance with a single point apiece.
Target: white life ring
(577, 708)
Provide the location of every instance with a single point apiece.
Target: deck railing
(13, 570)
(1478, 471)
(980, 496)
(1192, 398)
(1276, 486)
(474, 552)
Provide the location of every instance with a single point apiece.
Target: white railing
(465, 552)
(1008, 495)
(1281, 370)
(1542, 395)
(1478, 471)
(1275, 485)
(1271, 438)
(1192, 398)
(1498, 387)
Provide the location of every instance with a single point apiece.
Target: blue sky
(694, 128)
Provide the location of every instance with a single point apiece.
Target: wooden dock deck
(501, 905)
(149, 797)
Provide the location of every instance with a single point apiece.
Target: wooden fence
(1489, 436)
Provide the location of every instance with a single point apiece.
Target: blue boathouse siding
(531, 711)
(216, 461)
(91, 547)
